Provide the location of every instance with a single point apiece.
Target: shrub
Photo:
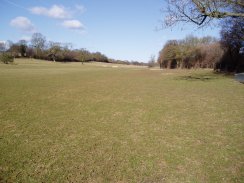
(6, 58)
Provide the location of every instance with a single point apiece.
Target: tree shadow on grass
(198, 77)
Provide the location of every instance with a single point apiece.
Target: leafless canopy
(202, 12)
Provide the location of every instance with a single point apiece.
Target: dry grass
(88, 123)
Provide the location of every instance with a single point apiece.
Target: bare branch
(198, 11)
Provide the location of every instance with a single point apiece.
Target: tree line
(39, 48)
(232, 41)
(191, 52)
(222, 55)
(207, 52)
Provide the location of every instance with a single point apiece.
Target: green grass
(87, 123)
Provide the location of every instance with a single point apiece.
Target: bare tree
(152, 61)
(191, 52)
(232, 39)
(201, 12)
(54, 50)
(38, 41)
(14, 49)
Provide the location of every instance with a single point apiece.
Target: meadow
(68, 122)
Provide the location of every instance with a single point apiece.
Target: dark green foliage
(6, 58)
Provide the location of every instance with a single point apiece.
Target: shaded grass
(84, 123)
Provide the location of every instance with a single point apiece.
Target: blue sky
(121, 29)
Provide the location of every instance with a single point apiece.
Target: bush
(6, 58)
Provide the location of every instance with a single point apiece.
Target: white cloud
(55, 11)
(73, 24)
(23, 23)
(39, 10)
(60, 12)
(80, 8)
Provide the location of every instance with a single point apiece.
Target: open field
(68, 122)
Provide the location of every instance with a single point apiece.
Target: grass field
(90, 123)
